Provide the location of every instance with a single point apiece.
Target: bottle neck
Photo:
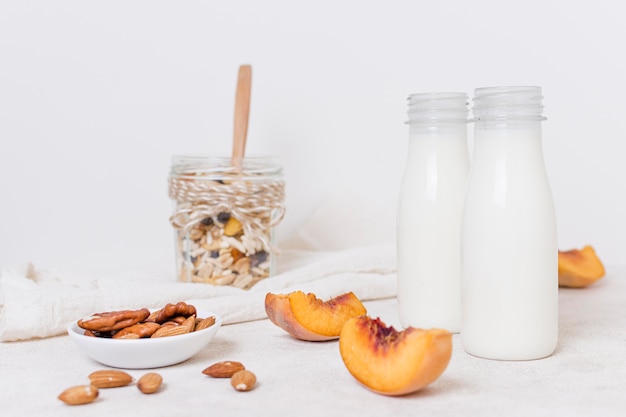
(449, 131)
(511, 125)
(508, 119)
(428, 111)
(514, 144)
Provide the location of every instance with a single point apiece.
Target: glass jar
(510, 254)
(429, 211)
(224, 219)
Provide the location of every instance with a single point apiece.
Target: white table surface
(586, 376)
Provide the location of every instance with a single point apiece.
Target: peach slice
(579, 268)
(392, 362)
(306, 317)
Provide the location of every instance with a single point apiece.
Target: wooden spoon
(242, 113)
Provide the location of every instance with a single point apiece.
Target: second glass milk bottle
(509, 255)
(429, 211)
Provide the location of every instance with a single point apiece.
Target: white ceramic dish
(145, 353)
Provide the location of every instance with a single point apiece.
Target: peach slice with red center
(306, 317)
(392, 362)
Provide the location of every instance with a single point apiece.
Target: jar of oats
(224, 218)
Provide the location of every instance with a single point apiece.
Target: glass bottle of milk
(429, 211)
(509, 242)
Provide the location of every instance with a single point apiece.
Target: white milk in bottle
(510, 253)
(429, 212)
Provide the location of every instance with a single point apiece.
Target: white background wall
(96, 96)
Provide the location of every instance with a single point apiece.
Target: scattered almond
(110, 378)
(150, 383)
(225, 369)
(81, 394)
(243, 380)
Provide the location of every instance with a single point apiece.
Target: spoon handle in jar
(242, 112)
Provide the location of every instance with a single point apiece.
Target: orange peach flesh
(579, 268)
(392, 362)
(306, 317)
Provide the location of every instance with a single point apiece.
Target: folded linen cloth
(37, 303)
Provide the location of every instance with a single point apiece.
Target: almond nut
(205, 323)
(137, 331)
(127, 336)
(166, 331)
(81, 394)
(225, 369)
(189, 323)
(151, 318)
(110, 379)
(150, 383)
(178, 319)
(243, 380)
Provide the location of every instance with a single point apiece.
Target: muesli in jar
(224, 218)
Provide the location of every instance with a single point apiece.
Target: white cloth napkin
(37, 303)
